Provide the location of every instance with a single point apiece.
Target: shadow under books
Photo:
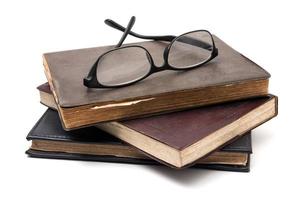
(189, 176)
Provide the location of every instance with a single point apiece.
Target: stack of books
(200, 118)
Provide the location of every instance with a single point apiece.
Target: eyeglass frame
(91, 81)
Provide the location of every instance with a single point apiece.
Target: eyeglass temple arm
(168, 38)
(126, 31)
(119, 27)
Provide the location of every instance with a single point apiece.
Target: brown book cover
(230, 76)
(178, 139)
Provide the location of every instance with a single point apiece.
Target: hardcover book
(230, 76)
(50, 140)
(180, 138)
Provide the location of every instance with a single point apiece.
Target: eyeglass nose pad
(166, 53)
(87, 81)
(149, 57)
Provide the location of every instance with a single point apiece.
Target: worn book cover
(179, 139)
(230, 76)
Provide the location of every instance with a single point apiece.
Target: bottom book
(50, 140)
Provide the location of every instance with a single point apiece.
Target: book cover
(179, 139)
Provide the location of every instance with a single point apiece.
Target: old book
(180, 138)
(50, 140)
(46, 96)
(230, 76)
(85, 157)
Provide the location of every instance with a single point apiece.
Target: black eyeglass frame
(91, 81)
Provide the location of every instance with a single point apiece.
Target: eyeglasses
(123, 66)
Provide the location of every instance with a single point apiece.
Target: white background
(265, 31)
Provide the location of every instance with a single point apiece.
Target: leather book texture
(182, 129)
(49, 128)
(229, 76)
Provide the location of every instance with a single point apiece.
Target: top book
(230, 76)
